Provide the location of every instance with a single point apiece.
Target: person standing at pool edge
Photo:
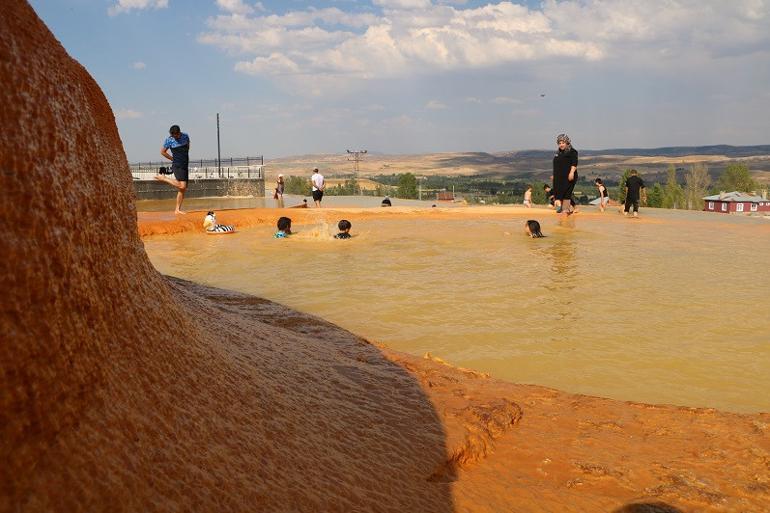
(279, 188)
(634, 191)
(318, 187)
(179, 144)
(565, 174)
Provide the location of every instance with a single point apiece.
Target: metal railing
(202, 169)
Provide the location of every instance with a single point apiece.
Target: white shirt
(318, 181)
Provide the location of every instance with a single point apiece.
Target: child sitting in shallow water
(344, 227)
(211, 226)
(532, 228)
(284, 228)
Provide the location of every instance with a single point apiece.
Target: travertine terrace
(124, 390)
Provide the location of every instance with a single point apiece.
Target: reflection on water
(655, 311)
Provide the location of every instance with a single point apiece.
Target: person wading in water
(565, 174)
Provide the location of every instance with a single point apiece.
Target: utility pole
(219, 151)
(356, 157)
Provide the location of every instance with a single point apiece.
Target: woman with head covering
(565, 174)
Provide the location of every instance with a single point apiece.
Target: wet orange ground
(124, 390)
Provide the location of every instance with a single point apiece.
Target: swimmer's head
(284, 224)
(532, 228)
(344, 225)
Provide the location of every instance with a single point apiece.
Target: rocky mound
(121, 390)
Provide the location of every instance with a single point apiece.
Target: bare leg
(180, 197)
(172, 182)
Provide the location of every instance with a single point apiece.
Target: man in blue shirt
(179, 144)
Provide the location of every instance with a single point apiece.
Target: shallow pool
(672, 308)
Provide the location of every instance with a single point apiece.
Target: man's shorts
(317, 195)
(180, 172)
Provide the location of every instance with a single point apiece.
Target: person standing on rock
(565, 174)
(318, 187)
(179, 144)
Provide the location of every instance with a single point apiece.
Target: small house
(736, 202)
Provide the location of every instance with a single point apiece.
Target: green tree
(673, 194)
(697, 182)
(297, 185)
(407, 186)
(737, 177)
(655, 196)
(538, 194)
(622, 186)
(352, 187)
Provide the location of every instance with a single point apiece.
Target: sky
(415, 76)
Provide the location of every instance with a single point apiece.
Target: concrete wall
(203, 188)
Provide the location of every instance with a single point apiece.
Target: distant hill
(670, 151)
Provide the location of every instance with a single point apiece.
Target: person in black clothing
(179, 144)
(386, 202)
(565, 174)
(604, 196)
(634, 191)
(344, 227)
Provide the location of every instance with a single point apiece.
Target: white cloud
(472, 99)
(411, 37)
(235, 6)
(402, 4)
(122, 6)
(138, 65)
(435, 105)
(128, 114)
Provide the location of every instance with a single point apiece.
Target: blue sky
(411, 76)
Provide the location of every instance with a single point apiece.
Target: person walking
(179, 144)
(279, 187)
(634, 192)
(318, 187)
(565, 174)
(604, 196)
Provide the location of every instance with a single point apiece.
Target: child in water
(344, 227)
(284, 228)
(532, 228)
(211, 226)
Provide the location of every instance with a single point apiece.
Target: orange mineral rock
(124, 390)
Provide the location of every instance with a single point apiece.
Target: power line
(356, 156)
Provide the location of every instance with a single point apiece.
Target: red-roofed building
(736, 203)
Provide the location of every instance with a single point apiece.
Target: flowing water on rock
(672, 308)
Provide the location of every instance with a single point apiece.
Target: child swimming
(344, 227)
(532, 228)
(284, 228)
(211, 226)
